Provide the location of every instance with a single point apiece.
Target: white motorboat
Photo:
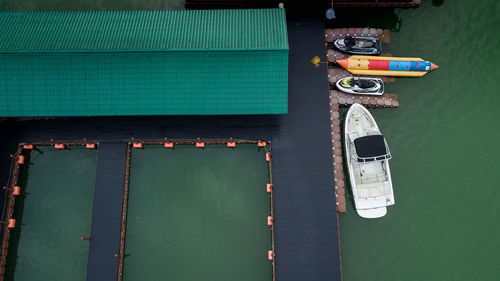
(368, 157)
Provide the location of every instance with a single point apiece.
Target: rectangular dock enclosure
(53, 211)
(198, 214)
(181, 62)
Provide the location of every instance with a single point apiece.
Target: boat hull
(376, 49)
(371, 182)
(376, 92)
(372, 213)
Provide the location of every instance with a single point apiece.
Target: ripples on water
(444, 140)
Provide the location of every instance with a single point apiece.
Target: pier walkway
(107, 212)
(304, 202)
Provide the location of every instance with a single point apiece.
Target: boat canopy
(371, 148)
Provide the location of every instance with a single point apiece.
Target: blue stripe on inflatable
(400, 65)
(420, 66)
(409, 65)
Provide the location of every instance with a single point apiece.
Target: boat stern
(339, 43)
(372, 213)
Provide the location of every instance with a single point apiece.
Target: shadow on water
(437, 3)
(365, 17)
(15, 233)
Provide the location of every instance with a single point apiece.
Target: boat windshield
(371, 148)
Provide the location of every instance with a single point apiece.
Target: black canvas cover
(370, 146)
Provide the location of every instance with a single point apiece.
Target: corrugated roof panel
(143, 30)
(147, 83)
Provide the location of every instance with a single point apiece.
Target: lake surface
(52, 213)
(198, 214)
(444, 141)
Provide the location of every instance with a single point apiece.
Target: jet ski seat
(365, 84)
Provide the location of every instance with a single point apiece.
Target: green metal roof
(190, 30)
(155, 83)
(143, 63)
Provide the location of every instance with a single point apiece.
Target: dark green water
(52, 213)
(444, 141)
(198, 214)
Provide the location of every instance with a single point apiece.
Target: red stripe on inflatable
(378, 64)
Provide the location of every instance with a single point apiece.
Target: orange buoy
(269, 187)
(270, 255)
(17, 190)
(28, 146)
(12, 223)
(231, 144)
(261, 143)
(137, 144)
(200, 144)
(268, 157)
(90, 145)
(169, 144)
(59, 146)
(269, 220)
(20, 159)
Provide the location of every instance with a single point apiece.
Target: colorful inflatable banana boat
(387, 66)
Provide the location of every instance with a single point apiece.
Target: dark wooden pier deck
(106, 213)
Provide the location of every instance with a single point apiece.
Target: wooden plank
(333, 34)
(344, 99)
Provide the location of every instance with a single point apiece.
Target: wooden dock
(334, 74)
(344, 99)
(333, 34)
(338, 99)
(332, 55)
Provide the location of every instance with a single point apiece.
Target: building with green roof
(182, 62)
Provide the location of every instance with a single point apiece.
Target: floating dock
(333, 55)
(335, 72)
(333, 34)
(28, 220)
(106, 214)
(338, 99)
(344, 99)
(9, 209)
